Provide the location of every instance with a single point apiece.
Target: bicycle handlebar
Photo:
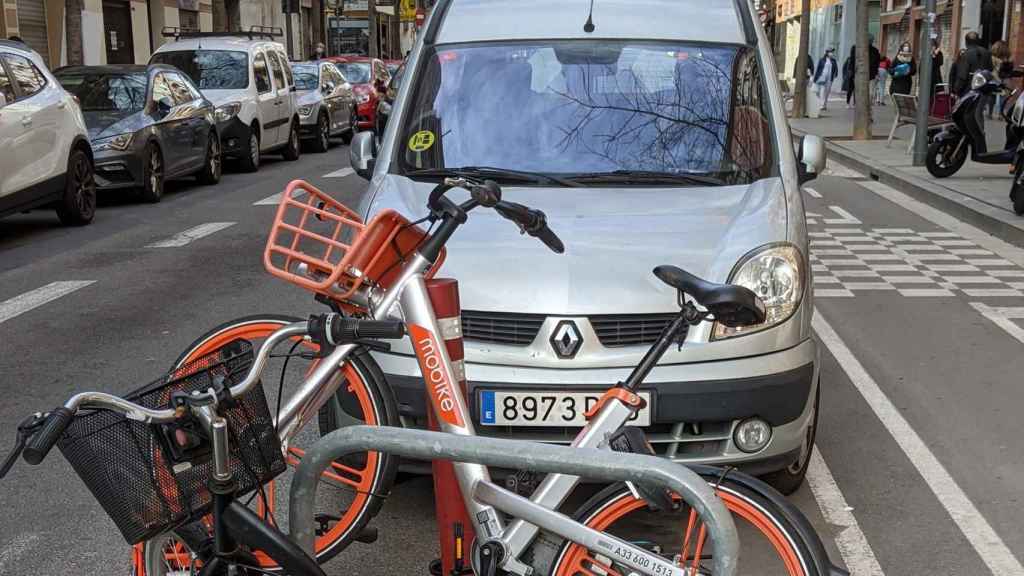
(41, 444)
(532, 222)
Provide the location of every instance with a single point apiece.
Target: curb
(1002, 224)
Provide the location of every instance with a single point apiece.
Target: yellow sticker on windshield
(421, 141)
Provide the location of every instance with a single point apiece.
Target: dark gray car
(147, 124)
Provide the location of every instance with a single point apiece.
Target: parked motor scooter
(1017, 189)
(948, 150)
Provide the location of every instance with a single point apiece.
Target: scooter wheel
(943, 159)
(1017, 191)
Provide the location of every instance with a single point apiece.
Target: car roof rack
(266, 32)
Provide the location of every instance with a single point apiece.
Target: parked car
(387, 100)
(248, 78)
(326, 104)
(45, 157)
(147, 124)
(664, 143)
(369, 77)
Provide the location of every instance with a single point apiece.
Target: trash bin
(813, 106)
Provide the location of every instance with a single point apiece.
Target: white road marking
(340, 173)
(1001, 317)
(272, 200)
(20, 304)
(832, 293)
(15, 549)
(812, 192)
(853, 545)
(846, 217)
(191, 235)
(983, 538)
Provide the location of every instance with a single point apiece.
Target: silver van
(649, 133)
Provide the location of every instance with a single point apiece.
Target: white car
(45, 156)
(248, 78)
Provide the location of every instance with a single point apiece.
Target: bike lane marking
(191, 235)
(33, 299)
(850, 540)
(989, 546)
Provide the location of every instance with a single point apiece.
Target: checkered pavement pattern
(848, 260)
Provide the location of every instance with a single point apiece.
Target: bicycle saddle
(732, 305)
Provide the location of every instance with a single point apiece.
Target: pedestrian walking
(937, 61)
(883, 76)
(850, 69)
(903, 70)
(975, 57)
(824, 74)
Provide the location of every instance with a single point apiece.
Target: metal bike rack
(589, 463)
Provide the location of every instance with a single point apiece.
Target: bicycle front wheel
(351, 492)
(775, 538)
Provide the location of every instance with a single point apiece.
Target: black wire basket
(143, 479)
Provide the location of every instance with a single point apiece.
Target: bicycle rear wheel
(775, 538)
(352, 490)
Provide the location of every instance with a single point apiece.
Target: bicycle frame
(482, 498)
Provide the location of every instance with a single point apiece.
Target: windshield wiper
(496, 174)
(646, 176)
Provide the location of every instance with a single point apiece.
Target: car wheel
(346, 137)
(323, 134)
(78, 205)
(210, 174)
(152, 175)
(789, 479)
(291, 150)
(251, 160)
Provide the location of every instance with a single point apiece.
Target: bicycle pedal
(368, 535)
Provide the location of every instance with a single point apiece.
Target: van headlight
(306, 111)
(226, 112)
(777, 274)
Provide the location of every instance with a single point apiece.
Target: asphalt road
(918, 465)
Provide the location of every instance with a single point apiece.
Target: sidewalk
(978, 193)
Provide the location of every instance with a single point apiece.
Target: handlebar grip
(342, 330)
(550, 239)
(40, 444)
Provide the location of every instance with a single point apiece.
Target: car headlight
(121, 142)
(362, 98)
(306, 110)
(777, 274)
(227, 111)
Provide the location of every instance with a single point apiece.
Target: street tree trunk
(220, 16)
(73, 31)
(800, 74)
(861, 80)
(371, 8)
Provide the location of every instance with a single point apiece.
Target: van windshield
(210, 69)
(589, 108)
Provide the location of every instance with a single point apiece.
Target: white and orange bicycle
(378, 279)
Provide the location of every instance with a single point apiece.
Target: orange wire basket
(323, 246)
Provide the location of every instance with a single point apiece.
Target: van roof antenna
(589, 26)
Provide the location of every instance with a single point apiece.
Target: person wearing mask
(883, 76)
(975, 57)
(824, 74)
(937, 61)
(320, 51)
(1000, 60)
(903, 70)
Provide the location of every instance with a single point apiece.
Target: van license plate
(532, 408)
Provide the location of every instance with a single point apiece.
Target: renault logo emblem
(566, 339)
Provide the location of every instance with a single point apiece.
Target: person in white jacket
(824, 74)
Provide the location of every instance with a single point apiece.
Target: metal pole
(288, 27)
(924, 85)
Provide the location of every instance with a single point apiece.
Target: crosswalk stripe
(191, 235)
(20, 304)
(990, 547)
(340, 173)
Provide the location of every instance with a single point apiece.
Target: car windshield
(355, 72)
(101, 92)
(307, 76)
(654, 111)
(210, 69)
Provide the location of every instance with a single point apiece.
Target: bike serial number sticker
(644, 562)
(542, 408)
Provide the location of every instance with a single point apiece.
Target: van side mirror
(361, 154)
(329, 88)
(810, 158)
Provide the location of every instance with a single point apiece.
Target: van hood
(219, 97)
(613, 237)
